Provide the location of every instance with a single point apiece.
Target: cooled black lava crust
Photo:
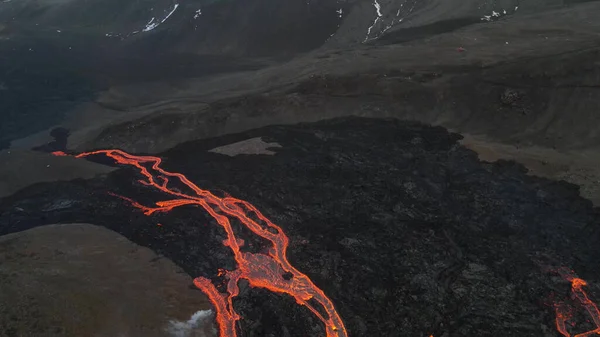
(405, 230)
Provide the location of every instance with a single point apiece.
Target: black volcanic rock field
(406, 231)
(434, 164)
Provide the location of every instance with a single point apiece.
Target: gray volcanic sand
(84, 280)
(578, 167)
(21, 168)
(549, 59)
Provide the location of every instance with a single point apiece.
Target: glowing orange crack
(564, 313)
(260, 270)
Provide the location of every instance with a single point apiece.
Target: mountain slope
(258, 27)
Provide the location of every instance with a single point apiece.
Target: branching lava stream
(271, 271)
(565, 312)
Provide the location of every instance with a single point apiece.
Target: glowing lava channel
(260, 270)
(564, 313)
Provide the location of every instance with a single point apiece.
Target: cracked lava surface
(564, 312)
(271, 271)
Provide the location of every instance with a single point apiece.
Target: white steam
(199, 325)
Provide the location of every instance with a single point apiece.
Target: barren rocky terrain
(445, 231)
(83, 280)
(520, 81)
(405, 230)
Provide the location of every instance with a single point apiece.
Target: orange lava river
(564, 312)
(260, 270)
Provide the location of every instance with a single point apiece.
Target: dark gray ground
(74, 279)
(406, 231)
(519, 85)
(528, 81)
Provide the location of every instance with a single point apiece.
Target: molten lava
(271, 271)
(564, 312)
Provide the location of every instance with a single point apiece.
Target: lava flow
(271, 271)
(564, 312)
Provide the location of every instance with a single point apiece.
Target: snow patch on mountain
(153, 23)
